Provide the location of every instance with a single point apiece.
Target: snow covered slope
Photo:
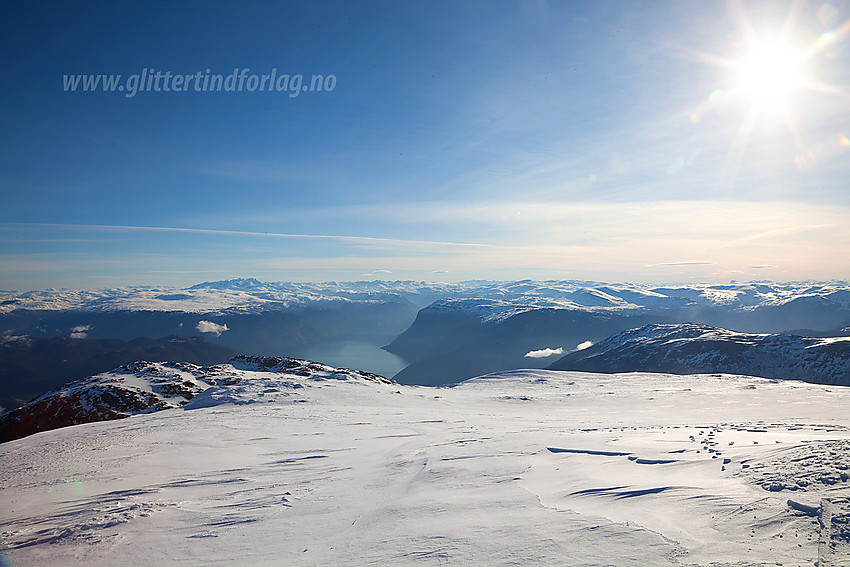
(518, 468)
(690, 349)
(146, 387)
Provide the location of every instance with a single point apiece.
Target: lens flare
(827, 15)
(805, 160)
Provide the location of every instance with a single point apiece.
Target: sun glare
(773, 83)
(768, 75)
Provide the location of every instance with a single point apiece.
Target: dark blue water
(357, 355)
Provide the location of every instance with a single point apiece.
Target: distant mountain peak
(239, 284)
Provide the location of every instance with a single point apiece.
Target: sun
(768, 75)
(769, 92)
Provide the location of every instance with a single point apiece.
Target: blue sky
(616, 141)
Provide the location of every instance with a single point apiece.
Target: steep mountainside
(255, 331)
(456, 340)
(462, 337)
(693, 349)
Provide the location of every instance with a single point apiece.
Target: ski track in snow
(515, 468)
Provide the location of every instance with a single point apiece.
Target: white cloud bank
(210, 327)
(544, 352)
(584, 345)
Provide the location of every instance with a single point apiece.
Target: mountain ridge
(691, 348)
(146, 387)
(30, 366)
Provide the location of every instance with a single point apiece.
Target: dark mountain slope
(30, 366)
(454, 344)
(697, 349)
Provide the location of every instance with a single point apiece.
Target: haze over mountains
(440, 333)
(257, 316)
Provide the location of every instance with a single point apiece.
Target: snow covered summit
(146, 387)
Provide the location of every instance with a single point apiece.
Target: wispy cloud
(503, 222)
(685, 263)
(651, 242)
(222, 232)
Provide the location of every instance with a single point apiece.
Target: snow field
(514, 468)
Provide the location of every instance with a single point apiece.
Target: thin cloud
(649, 242)
(685, 263)
(213, 231)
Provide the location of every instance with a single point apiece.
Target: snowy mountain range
(240, 316)
(454, 339)
(249, 294)
(699, 349)
(436, 333)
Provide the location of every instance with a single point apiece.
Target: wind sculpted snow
(515, 468)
